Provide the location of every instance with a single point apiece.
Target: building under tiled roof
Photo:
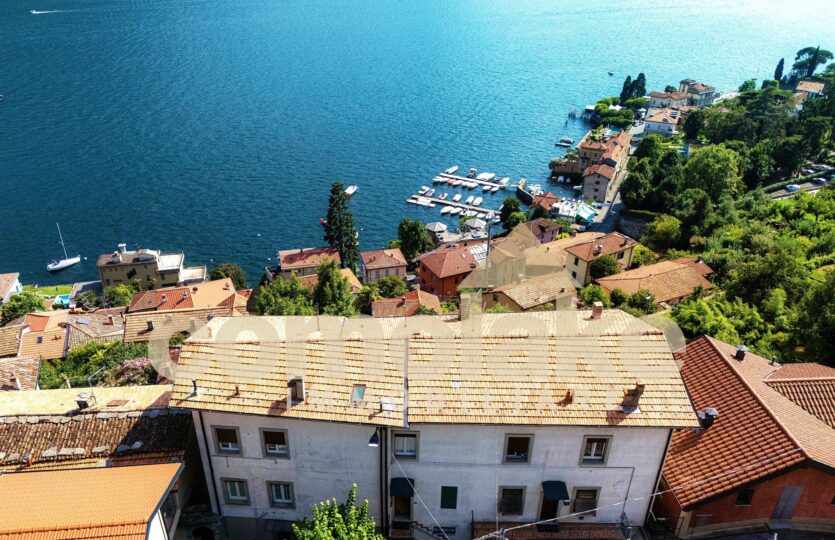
(10, 339)
(666, 280)
(607, 244)
(110, 503)
(383, 258)
(7, 281)
(405, 305)
(19, 373)
(312, 280)
(120, 431)
(137, 327)
(543, 368)
(450, 261)
(809, 385)
(101, 326)
(290, 259)
(602, 169)
(759, 432)
(46, 336)
(539, 290)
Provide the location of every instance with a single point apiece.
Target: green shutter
(449, 497)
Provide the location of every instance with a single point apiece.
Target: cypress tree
(339, 228)
(778, 72)
(626, 91)
(639, 88)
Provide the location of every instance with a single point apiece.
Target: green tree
(639, 88)
(231, 271)
(808, 59)
(694, 124)
(651, 147)
(498, 308)
(515, 219)
(618, 297)
(116, 295)
(626, 90)
(332, 521)
(539, 212)
(333, 292)
(642, 256)
(339, 227)
(670, 88)
(509, 206)
(594, 293)
(285, 297)
(423, 310)
(414, 239)
(603, 266)
(392, 286)
(663, 232)
(817, 322)
(778, 71)
(715, 170)
(20, 304)
(817, 131)
(748, 86)
(643, 302)
(790, 154)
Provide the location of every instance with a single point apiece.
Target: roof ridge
(757, 397)
(678, 268)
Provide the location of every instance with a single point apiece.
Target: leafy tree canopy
(231, 271)
(332, 521)
(20, 304)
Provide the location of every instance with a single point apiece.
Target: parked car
(791, 188)
(819, 181)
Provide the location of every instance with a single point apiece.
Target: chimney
(123, 248)
(85, 400)
(740, 352)
(597, 310)
(625, 241)
(237, 391)
(150, 324)
(598, 249)
(110, 319)
(707, 417)
(15, 381)
(631, 397)
(185, 296)
(194, 387)
(164, 298)
(296, 386)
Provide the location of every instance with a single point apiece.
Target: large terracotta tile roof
(666, 280)
(662, 116)
(696, 264)
(80, 438)
(108, 399)
(6, 282)
(383, 258)
(542, 226)
(810, 86)
(542, 368)
(290, 259)
(209, 294)
(609, 244)
(100, 503)
(811, 386)
(181, 320)
(406, 305)
(539, 290)
(759, 432)
(51, 328)
(19, 370)
(449, 261)
(312, 280)
(602, 169)
(100, 326)
(546, 200)
(668, 95)
(10, 339)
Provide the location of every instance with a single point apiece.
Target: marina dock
(465, 179)
(463, 206)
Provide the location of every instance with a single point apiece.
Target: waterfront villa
(764, 459)
(211, 294)
(662, 122)
(580, 254)
(610, 149)
(662, 100)
(597, 181)
(670, 282)
(382, 262)
(441, 271)
(698, 94)
(147, 268)
(466, 431)
(304, 261)
(9, 284)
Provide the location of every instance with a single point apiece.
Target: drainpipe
(209, 460)
(384, 481)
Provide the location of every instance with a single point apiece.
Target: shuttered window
(449, 497)
(512, 501)
(585, 500)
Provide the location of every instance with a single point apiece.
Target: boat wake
(36, 12)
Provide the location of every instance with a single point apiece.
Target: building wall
(579, 268)
(660, 128)
(374, 275)
(156, 528)
(815, 504)
(325, 460)
(299, 271)
(663, 103)
(15, 288)
(595, 187)
(146, 273)
(443, 287)
(471, 459)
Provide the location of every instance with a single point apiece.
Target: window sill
(285, 506)
(592, 463)
(237, 503)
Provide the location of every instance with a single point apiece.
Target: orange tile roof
(406, 305)
(670, 95)
(542, 226)
(83, 503)
(810, 86)
(481, 364)
(602, 169)
(758, 431)
(666, 280)
(696, 264)
(10, 339)
(809, 385)
(21, 370)
(51, 328)
(609, 243)
(290, 259)
(383, 258)
(662, 116)
(546, 201)
(539, 290)
(449, 261)
(312, 280)
(220, 292)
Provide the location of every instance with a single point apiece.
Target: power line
(414, 489)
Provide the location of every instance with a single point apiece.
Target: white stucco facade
(326, 458)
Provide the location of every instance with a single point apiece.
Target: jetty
(464, 206)
(465, 179)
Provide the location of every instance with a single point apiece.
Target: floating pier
(447, 202)
(465, 179)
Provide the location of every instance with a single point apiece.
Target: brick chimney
(631, 397)
(597, 310)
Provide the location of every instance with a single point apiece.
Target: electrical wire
(414, 489)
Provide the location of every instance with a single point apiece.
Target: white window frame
(284, 488)
(236, 498)
(226, 448)
(413, 435)
(593, 459)
(275, 454)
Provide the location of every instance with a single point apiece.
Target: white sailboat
(60, 264)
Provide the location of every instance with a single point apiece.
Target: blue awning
(554, 490)
(402, 487)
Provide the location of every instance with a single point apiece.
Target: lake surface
(216, 127)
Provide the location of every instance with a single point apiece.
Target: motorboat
(472, 172)
(481, 215)
(452, 170)
(438, 180)
(494, 189)
(486, 188)
(486, 176)
(457, 183)
(60, 264)
(423, 190)
(446, 210)
(456, 197)
(443, 196)
(455, 211)
(351, 190)
(469, 199)
(565, 141)
(504, 181)
(477, 201)
(430, 192)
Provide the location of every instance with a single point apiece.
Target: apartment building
(149, 268)
(431, 424)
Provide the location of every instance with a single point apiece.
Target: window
(449, 497)
(585, 500)
(275, 443)
(574, 274)
(40, 339)
(281, 493)
(744, 497)
(357, 394)
(576, 261)
(456, 279)
(621, 254)
(227, 440)
(512, 501)
(549, 509)
(517, 448)
(405, 445)
(235, 491)
(702, 520)
(595, 450)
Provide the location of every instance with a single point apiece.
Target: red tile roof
(21, 370)
(290, 259)
(609, 244)
(449, 261)
(383, 258)
(758, 431)
(666, 280)
(602, 169)
(670, 95)
(406, 305)
(312, 280)
(546, 201)
(811, 386)
(566, 531)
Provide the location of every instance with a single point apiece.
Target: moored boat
(471, 173)
(60, 264)
(469, 199)
(456, 197)
(452, 170)
(477, 201)
(351, 190)
(455, 211)
(486, 188)
(494, 189)
(446, 209)
(443, 196)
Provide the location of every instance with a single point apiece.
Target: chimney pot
(707, 417)
(110, 320)
(597, 310)
(740, 352)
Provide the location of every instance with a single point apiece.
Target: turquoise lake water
(216, 127)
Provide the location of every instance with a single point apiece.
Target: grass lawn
(50, 291)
